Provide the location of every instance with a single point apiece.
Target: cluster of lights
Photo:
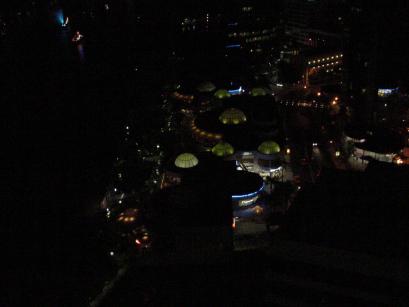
(399, 161)
(303, 103)
(128, 216)
(204, 134)
(248, 33)
(143, 240)
(258, 210)
(185, 98)
(326, 65)
(385, 92)
(335, 101)
(322, 60)
(259, 38)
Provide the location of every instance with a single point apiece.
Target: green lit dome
(223, 149)
(186, 160)
(258, 91)
(269, 148)
(206, 87)
(232, 116)
(221, 94)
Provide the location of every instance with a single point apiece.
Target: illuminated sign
(385, 92)
(247, 202)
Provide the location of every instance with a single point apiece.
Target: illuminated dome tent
(206, 87)
(258, 91)
(223, 149)
(268, 160)
(232, 116)
(222, 94)
(269, 148)
(186, 160)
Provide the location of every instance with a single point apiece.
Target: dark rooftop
(365, 212)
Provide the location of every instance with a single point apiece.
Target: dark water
(64, 106)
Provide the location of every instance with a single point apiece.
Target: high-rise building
(377, 57)
(315, 23)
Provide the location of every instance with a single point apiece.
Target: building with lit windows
(315, 24)
(323, 69)
(251, 28)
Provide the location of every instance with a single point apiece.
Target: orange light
(319, 94)
(234, 223)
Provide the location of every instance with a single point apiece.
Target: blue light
(233, 46)
(238, 197)
(59, 15)
(236, 92)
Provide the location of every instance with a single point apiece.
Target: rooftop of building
(363, 212)
(383, 142)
